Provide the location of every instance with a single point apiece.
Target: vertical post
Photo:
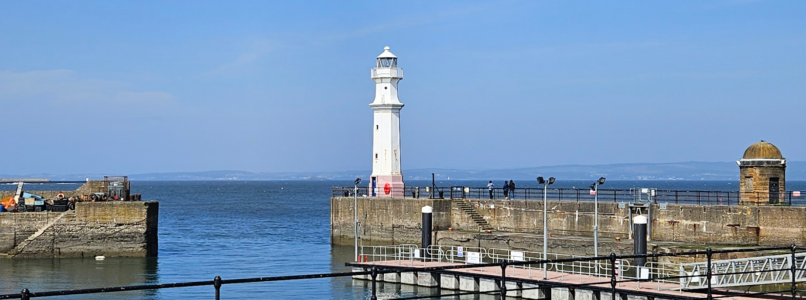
(217, 285)
(374, 288)
(639, 242)
(433, 186)
(25, 294)
(426, 234)
(708, 275)
(793, 271)
(355, 211)
(612, 276)
(596, 223)
(503, 287)
(545, 232)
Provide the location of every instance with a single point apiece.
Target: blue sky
(158, 86)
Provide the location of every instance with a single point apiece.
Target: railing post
(374, 288)
(217, 285)
(708, 271)
(503, 287)
(25, 294)
(612, 276)
(793, 271)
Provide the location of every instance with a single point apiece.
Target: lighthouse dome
(762, 150)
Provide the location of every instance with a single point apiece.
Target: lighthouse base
(387, 186)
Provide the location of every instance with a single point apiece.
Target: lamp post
(355, 210)
(545, 184)
(595, 187)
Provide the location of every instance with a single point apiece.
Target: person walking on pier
(491, 186)
(506, 190)
(511, 189)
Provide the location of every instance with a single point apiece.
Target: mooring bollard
(639, 245)
(426, 234)
(217, 285)
(25, 294)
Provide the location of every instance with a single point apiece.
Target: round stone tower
(762, 174)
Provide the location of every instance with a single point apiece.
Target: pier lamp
(545, 184)
(355, 210)
(595, 188)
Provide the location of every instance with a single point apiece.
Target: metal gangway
(774, 269)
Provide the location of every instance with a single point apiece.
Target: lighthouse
(386, 179)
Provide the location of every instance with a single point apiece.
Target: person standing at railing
(512, 189)
(506, 190)
(490, 186)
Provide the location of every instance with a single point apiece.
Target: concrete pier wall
(113, 229)
(387, 221)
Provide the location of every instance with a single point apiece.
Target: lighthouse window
(748, 183)
(376, 127)
(387, 62)
(376, 155)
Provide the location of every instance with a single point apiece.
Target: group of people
(509, 188)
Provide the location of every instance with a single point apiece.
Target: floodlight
(551, 180)
(357, 181)
(540, 180)
(601, 180)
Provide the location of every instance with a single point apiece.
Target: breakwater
(113, 228)
(514, 223)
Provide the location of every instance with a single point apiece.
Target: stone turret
(762, 174)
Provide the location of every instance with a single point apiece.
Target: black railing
(613, 278)
(789, 198)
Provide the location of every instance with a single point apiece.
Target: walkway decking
(517, 276)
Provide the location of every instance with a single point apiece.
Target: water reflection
(79, 273)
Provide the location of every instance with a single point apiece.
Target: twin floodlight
(540, 180)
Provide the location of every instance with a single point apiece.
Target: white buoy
(100, 257)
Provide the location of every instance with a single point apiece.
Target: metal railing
(775, 269)
(789, 198)
(393, 72)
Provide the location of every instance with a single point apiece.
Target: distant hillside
(796, 170)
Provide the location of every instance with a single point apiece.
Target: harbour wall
(387, 221)
(112, 228)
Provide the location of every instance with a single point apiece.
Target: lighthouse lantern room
(386, 179)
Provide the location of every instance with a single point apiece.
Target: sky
(126, 87)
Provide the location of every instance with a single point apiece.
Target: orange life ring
(387, 188)
(59, 196)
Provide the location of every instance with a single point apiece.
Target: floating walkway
(563, 278)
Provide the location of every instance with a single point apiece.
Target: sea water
(242, 229)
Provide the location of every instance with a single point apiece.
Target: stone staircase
(471, 212)
(17, 250)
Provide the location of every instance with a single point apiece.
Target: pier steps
(17, 250)
(471, 212)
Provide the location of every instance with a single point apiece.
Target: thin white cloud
(63, 91)
(401, 23)
(256, 50)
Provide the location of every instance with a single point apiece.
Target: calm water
(239, 230)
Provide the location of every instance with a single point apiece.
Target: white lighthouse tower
(386, 179)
